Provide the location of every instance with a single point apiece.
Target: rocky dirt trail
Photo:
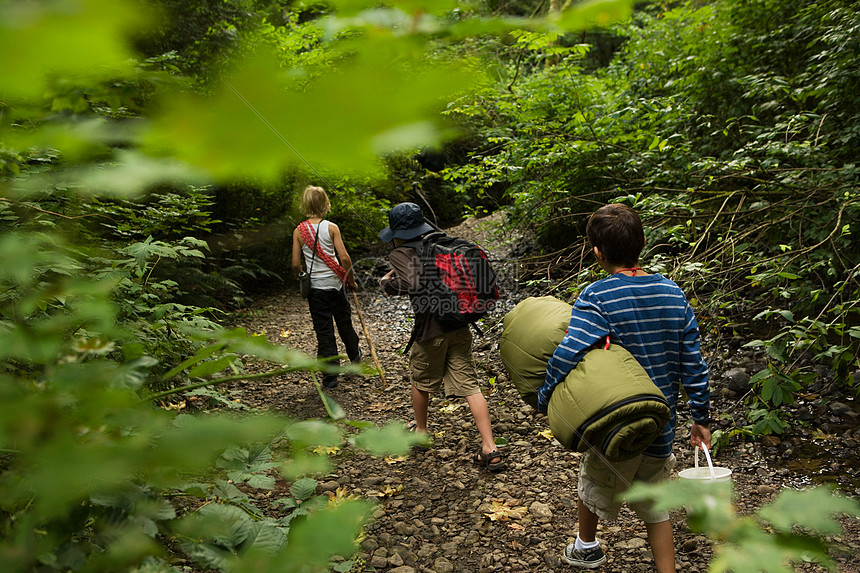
(432, 506)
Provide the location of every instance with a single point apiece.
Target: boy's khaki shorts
(445, 360)
(601, 484)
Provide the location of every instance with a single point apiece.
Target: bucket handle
(708, 457)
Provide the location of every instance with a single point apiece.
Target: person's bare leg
(481, 413)
(420, 404)
(662, 545)
(587, 523)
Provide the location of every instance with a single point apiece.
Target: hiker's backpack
(459, 285)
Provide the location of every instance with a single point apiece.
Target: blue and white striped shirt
(651, 318)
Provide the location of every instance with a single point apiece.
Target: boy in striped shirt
(649, 316)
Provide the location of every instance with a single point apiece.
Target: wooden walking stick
(369, 341)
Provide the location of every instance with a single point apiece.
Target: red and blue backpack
(458, 283)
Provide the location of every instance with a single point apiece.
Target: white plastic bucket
(710, 473)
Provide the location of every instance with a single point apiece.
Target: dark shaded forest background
(140, 206)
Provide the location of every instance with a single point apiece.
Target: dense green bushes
(732, 127)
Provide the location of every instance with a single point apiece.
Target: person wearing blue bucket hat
(441, 357)
(405, 221)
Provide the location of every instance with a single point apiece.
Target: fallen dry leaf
(326, 450)
(451, 407)
(387, 491)
(339, 496)
(547, 434)
(503, 511)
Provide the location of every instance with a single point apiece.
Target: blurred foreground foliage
(100, 470)
(796, 527)
(123, 128)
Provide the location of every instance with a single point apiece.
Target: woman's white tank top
(322, 277)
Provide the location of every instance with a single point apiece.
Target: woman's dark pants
(330, 307)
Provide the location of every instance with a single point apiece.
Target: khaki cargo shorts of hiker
(445, 362)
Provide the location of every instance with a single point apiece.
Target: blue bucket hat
(405, 221)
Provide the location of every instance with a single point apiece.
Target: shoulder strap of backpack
(420, 244)
(308, 228)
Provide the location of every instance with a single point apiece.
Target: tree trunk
(555, 7)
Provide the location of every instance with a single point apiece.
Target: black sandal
(486, 460)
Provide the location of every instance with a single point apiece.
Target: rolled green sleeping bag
(607, 402)
(531, 331)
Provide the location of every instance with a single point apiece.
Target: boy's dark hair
(616, 231)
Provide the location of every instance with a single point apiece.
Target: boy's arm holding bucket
(695, 379)
(700, 434)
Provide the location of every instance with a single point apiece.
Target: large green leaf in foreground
(257, 123)
(66, 38)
